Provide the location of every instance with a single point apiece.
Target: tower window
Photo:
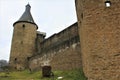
(82, 15)
(15, 60)
(28, 58)
(23, 26)
(107, 3)
(21, 42)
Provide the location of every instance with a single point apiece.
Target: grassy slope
(26, 75)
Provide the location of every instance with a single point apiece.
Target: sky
(51, 16)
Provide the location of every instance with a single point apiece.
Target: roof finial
(28, 7)
(28, 3)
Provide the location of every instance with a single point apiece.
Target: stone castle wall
(99, 29)
(97, 51)
(68, 59)
(59, 50)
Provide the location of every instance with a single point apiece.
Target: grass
(26, 75)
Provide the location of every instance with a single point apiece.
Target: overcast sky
(51, 16)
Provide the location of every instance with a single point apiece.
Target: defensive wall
(61, 50)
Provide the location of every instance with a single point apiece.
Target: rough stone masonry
(99, 30)
(30, 49)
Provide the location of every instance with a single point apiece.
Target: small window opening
(23, 26)
(21, 42)
(28, 58)
(107, 3)
(15, 60)
(82, 15)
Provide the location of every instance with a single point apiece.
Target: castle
(31, 49)
(92, 43)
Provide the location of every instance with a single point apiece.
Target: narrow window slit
(23, 26)
(82, 15)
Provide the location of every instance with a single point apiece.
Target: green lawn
(26, 75)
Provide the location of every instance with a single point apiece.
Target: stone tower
(23, 41)
(99, 29)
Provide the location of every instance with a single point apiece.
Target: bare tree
(3, 63)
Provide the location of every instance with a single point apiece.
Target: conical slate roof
(26, 17)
